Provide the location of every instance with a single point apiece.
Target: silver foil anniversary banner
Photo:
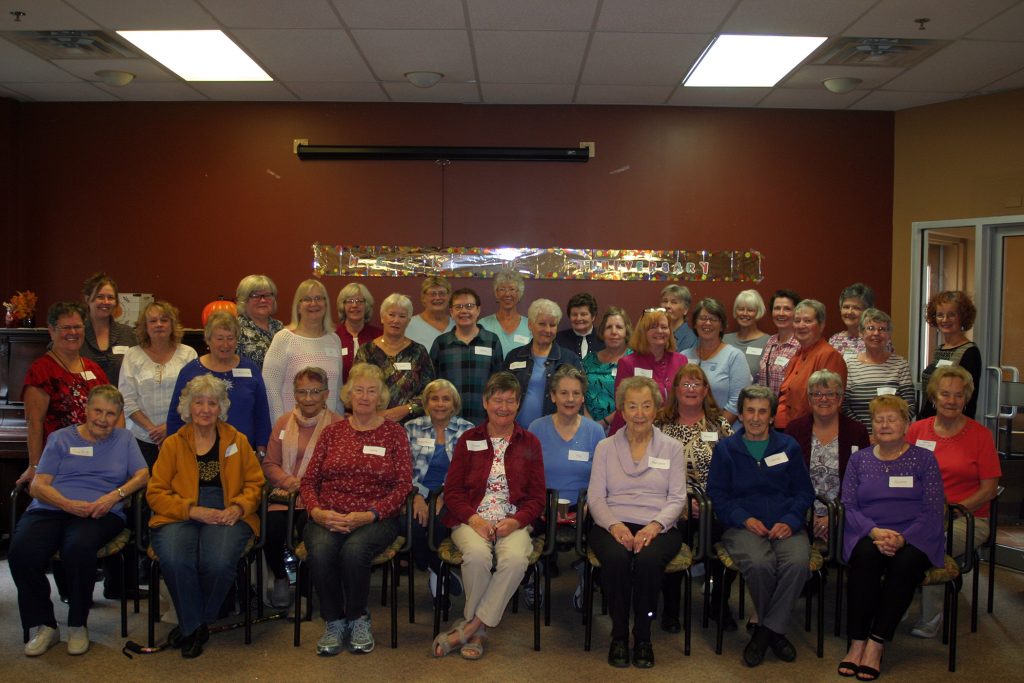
(553, 263)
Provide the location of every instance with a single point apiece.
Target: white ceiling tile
(672, 16)
(529, 56)
(144, 69)
(1011, 82)
(718, 97)
(538, 15)
(890, 100)
(527, 93)
(948, 18)
(305, 54)
(338, 92)
(155, 92)
(1007, 26)
(442, 92)
(783, 98)
(63, 92)
(393, 53)
(622, 94)
(401, 13)
(18, 66)
(961, 67)
(795, 17)
(43, 15)
(812, 75)
(273, 13)
(121, 15)
(642, 58)
(243, 92)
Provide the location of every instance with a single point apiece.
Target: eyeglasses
(655, 310)
(507, 290)
(436, 293)
(315, 299)
(353, 301)
(309, 393)
(691, 385)
(707, 319)
(871, 329)
(365, 391)
(463, 307)
(824, 395)
(265, 296)
(71, 328)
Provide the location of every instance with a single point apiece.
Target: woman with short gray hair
(853, 301)
(876, 371)
(511, 327)
(814, 354)
(406, 364)
(534, 363)
(747, 309)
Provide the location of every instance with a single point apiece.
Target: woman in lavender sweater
(637, 492)
(894, 499)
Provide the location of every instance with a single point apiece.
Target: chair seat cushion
(450, 553)
(939, 575)
(816, 562)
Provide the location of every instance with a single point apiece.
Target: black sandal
(868, 673)
(851, 669)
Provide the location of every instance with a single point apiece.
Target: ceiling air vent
(892, 52)
(72, 44)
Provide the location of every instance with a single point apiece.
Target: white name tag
(374, 450)
(754, 351)
(425, 442)
(119, 350)
(854, 448)
(404, 365)
(925, 443)
(615, 371)
(580, 456)
(281, 435)
(657, 463)
(943, 363)
(886, 391)
(88, 375)
(782, 361)
(709, 436)
(476, 445)
(901, 482)
(241, 372)
(334, 352)
(777, 459)
(483, 350)
(520, 339)
(232, 449)
(81, 450)
(517, 365)
(643, 372)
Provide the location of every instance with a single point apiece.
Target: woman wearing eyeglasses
(876, 371)
(307, 341)
(256, 299)
(827, 439)
(289, 452)
(724, 365)
(355, 308)
(507, 323)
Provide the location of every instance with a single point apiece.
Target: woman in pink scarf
(289, 451)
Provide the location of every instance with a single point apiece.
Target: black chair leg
(974, 591)
(807, 607)
(384, 585)
(588, 605)
(298, 605)
(839, 600)
(536, 606)
(547, 591)
(953, 606)
(821, 615)
(720, 611)
(412, 593)
(743, 597)
(687, 607)
(394, 602)
(991, 570)
(246, 576)
(154, 601)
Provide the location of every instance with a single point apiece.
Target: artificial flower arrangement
(21, 307)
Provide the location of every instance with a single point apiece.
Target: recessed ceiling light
(198, 55)
(734, 61)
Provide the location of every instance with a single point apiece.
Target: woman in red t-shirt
(967, 457)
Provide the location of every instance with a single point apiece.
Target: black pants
(881, 588)
(276, 542)
(633, 580)
(421, 556)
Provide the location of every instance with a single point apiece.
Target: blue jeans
(341, 564)
(39, 535)
(198, 562)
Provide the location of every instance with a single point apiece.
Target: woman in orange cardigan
(205, 493)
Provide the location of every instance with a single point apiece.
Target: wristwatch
(121, 492)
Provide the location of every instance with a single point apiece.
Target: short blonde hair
(889, 402)
(355, 289)
(635, 383)
(751, 298)
(363, 371)
(439, 385)
(396, 299)
(254, 283)
(949, 372)
(204, 386)
(221, 320)
(142, 331)
(304, 288)
(435, 281)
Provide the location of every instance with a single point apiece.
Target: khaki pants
(488, 593)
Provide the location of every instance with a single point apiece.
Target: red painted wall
(183, 199)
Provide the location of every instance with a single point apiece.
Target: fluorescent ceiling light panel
(198, 55)
(734, 61)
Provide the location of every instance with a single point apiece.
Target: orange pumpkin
(221, 304)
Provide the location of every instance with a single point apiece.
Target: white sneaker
(42, 640)
(78, 640)
(928, 628)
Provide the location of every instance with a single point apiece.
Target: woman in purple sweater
(894, 499)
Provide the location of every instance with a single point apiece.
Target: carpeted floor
(990, 654)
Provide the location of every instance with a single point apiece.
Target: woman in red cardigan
(493, 493)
